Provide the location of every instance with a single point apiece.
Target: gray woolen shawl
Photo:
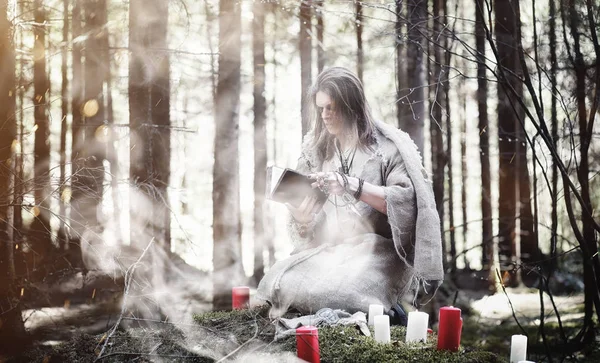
(427, 263)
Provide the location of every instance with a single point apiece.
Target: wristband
(359, 189)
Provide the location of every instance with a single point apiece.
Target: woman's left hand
(330, 182)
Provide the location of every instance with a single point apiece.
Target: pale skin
(373, 195)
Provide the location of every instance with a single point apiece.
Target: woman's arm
(334, 183)
(373, 195)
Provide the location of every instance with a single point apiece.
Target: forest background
(134, 136)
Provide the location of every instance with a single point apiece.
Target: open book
(285, 185)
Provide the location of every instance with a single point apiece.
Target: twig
(128, 278)
(156, 321)
(510, 302)
(241, 345)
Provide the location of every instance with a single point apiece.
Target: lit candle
(416, 329)
(382, 329)
(518, 348)
(240, 297)
(307, 344)
(449, 328)
(374, 310)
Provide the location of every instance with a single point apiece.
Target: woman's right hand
(307, 210)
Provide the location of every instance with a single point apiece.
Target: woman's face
(333, 123)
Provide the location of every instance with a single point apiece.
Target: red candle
(307, 344)
(240, 297)
(449, 328)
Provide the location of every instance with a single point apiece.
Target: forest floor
(83, 332)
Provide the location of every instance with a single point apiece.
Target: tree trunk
(95, 131)
(18, 166)
(528, 239)
(487, 242)
(446, 86)
(508, 123)
(260, 137)
(449, 163)
(305, 47)
(227, 267)
(40, 227)
(270, 242)
(359, 43)
(112, 142)
(417, 13)
(64, 106)
(77, 134)
(11, 322)
(320, 31)
(438, 157)
(402, 107)
(160, 136)
(529, 253)
(463, 171)
(210, 16)
(141, 172)
(554, 127)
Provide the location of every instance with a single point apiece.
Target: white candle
(374, 310)
(416, 330)
(526, 361)
(382, 329)
(518, 348)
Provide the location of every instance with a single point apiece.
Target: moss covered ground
(248, 336)
(248, 333)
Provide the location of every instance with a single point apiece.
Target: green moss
(228, 330)
(347, 344)
(339, 344)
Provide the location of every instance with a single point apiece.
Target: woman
(378, 234)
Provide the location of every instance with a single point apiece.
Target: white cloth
(324, 317)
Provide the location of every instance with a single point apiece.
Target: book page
(273, 175)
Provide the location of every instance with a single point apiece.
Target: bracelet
(359, 190)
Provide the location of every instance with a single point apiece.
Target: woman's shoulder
(397, 142)
(385, 148)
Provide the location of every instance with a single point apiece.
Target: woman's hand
(307, 210)
(330, 182)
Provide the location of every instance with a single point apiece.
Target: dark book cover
(286, 185)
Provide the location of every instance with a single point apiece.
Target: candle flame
(22, 291)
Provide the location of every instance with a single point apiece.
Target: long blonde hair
(349, 103)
